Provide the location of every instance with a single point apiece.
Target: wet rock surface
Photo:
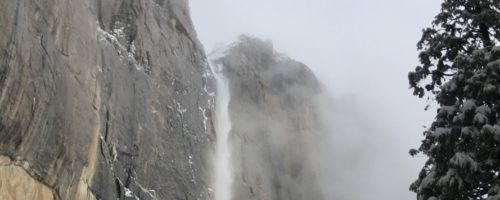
(105, 99)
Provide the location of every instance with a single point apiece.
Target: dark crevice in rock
(106, 127)
(105, 151)
(9, 49)
(15, 27)
(119, 190)
(99, 15)
(148, 64)
(129, 179)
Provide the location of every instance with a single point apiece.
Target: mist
(360, 52)
(357, 156)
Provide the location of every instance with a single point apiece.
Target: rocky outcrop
(15, 183)
(274, 122)
(102, 99)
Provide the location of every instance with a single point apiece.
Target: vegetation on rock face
(460, 67)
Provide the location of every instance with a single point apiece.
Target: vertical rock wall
(103, 99)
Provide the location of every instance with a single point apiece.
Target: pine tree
(460, 68)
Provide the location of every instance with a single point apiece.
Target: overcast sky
(360, 50)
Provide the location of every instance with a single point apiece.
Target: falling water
(222, 161)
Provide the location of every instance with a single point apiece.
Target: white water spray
(222, 159)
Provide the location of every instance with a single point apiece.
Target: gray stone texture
(105, 98)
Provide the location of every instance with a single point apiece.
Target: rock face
(17, 184)
(274, 122)
(113, 99)
(102, 99)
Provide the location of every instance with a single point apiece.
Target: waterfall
(222, 159)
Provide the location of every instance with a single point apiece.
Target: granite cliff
(102, 99)
(274, 122)
(114, 99)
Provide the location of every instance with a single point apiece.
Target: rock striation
(103, 99)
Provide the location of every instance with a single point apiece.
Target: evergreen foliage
(460, 67)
